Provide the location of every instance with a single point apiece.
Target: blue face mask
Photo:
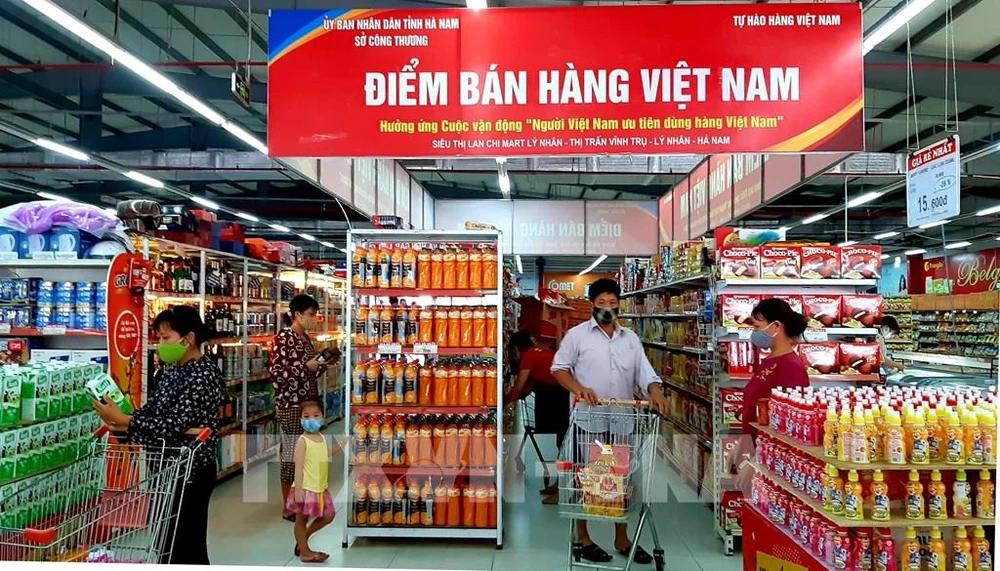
(761, 338)
(312, 424)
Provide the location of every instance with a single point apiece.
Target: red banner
(698, 197)
(747, 183)
(127, 279)
(445, 82)
(720, 190)
(969, 273)
(682, 210)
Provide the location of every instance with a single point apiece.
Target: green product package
(37, 440)
(8, 452)
(29, 396)
(104, 387)
(24, 462)
(10, 400)
(48, 451)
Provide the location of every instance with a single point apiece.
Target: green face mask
(171, 353)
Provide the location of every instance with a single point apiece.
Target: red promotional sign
(720, 190)
(747, 183)
(969, 273)
(127, 279)
(666, 215)
(445, 82)
(698, 197)
(781, 173)
(682, 210)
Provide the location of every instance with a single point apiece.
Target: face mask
(312, 424)
(605, 315)
(761, 338)
(307, 322)
(171, 353)
(887, 333)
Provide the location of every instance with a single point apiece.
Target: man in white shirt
(599, 359)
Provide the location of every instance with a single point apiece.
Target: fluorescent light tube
(248, 217)
(955, 245)
(893, 22)
(148, 180)
(280, 228)
(784, 229)
(245, 136)
(477, 4)
(520, 268)
(915, 252)
(596, 263)
(884, 235)
(815, 218)
(327, 245)
(308, 237)
(885, 256)
(933, 224)
(864, 199)
(847, 243)
(504, 182)
(205, 202)
(988, 211)
(342, 249)
(897, 262)
(50, 196)
(61, 149)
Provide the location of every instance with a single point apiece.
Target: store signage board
(240, 86)
(453, 214)
(127, 275)
(698, 199)
(549, 227)
(976, 272)
(781, 174)
(748, 184)
(682, 210)
(700, 79)
(720, 190)
(365, 175)
(666, 217)
(386, 170)
(572, 285)
(402, 193)
(621, 227)
(335, 177)
(933, 175)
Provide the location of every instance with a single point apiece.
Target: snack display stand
(423, 361)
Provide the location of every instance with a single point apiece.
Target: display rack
(959, 332)
(450, 479)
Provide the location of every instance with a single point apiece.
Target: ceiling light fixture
(147, 180)
(308, 237)
(50, 196)
(61, 149)
(897, 262)
(477, 4)
(916, 252)
(885, 256)
(205, 202)
(884, 235)
(520, 268)
(815, 218)
(247, 217)
(988, 211)
(280, 228)
(327, 245)
(344, 250)
(596, 263)
(245, 136)
(847, 243)
(504, 181)
(864, 199)
(893, 22)
(956, 245)
(933, 224)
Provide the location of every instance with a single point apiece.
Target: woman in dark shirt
(776, 328)
(186, 399)
(294, 369)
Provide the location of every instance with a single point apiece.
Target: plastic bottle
(402, 324)
(936, 553)
(875, 452)
(438, 442)
(982, 558)
(409, 280)
(441, 504)
(844, 443)
(895, 446)
(914, 502)
(386, 319)
(885, 551)
(859, 439)
(360, 337)
(372, 258)
(454, 326)
(387, 495)
(479, 326)
(437, 268)
(425, 325)
(880, 497)
(374, 502)
(475, 269)
(864, 555)
(937, 499)
(935, 436)
(988, 424)
(454, 506)
(453, 383)
(424, 268)
(985, 498)
(961, 558)
(853, 497)
(919, 446)
(464, 441)
(466, 326)
(831, 441)
(974, 453)
(478, 384)
(955, 449)
(427, 504)
(448, 278)
(396, 266)
(491, 383)
(440, 371)
(961, 496)
(358, 274)
(462, 269)
(384, 269)
(441, 326)
(911, 559)
(489, 268)
(826, 482)
(491, 327)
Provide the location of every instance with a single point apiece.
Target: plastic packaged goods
(974, 452)
(936, 554)
(961, 496)
(453, 378)
(491, 327)
(374, 502)
(454, 506)
(396, 266)
(478, 374)
(409, 269)
(358, 266)
(425, 385)
(469, 507)
(985, 496)
(372, 268)
(424, 280)
(937, 499)
(437, 268)
(885, 551)
(955, 447)
(853, 497)
(428, 503)
(896, 446)
(982, 557)
(961, 551)
(462, 268)
(491, 383)
(489, 268)
(425, 325)
(830, 437)
(448, 278)
(880, 497)
(912, 559)
(425, 446)
(441, 336)
(439, 441)
(454, 326)
(914, 502)
(466, 326)
(440, 384)
(401, 317)
(919, 446)
(475, 269)
(359, 511)
(864, 555)
(441, 504)
(384, 266)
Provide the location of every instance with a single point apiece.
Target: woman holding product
(186, 400)
(890, 328)
(776, 328)
(294, 369)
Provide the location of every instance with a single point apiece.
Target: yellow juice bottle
(880, 497)
(873, 437)
(937, 558)
(919, 447)
(961, 551)
(914, 497)
(961, 496)
(974, 454)
(895, 445)
(985, 496)
(982, 557)
(935, 436)
(911, 559)
(844, 429)
(859, 438)
(836, 484)
(955, 447)
(831, 440)
(937, 499)
(988, 424)
(854, 497)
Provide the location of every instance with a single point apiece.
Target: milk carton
(103, 387)
(48, 450)
(55, 392)
(36, 440)
(24, 459)
(10, 400)
(8, 452)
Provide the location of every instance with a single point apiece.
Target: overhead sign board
(933, 175)
(698, 78)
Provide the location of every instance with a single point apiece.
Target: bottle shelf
(375, 409)
(414, 292)
(680, 348)
(395, 349)
(396, 471)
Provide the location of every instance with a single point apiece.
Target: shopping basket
(527, 405)
(116, 503)
(605, 472)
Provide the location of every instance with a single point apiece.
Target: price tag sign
(54, 330)
(816, 335)
(390, 348)
(932, 183)
(425, 348)
(4, 328)
(744, 332)
(48, 256)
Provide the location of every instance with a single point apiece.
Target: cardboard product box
(10, 244)
(8, 452)
(14, 350)
(732, 510)
(34, 246)
(861, 311)
(69, 243)
(739, 357)
(861, 262)
(793, 300)
(820, 262)
(780, 261)
(732, 406)
(737, 308)
(736, 262)
(860, 358)
(820, 358)
(25, 461)
(48, 456)
(822, 311)
(10, 400)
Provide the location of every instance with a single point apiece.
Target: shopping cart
(606, 470)
(527, 405)
(116, 503)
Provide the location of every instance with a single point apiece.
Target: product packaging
(10, 400)
(779, 261)
(861, 262)
(821, 310)
(820, 358)
(859, 359)
(732, 406)
(740, 357)
(104, 387)
(820, 262)
(861, 311)
(737, 308)
(793, 300)
(739, 262)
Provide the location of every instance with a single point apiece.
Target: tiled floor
(245, 529)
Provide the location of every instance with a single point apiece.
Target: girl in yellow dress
(311, 501)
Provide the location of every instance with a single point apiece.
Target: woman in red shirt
(776, 327)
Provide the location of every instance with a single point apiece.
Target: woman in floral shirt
(186, 399)
(293, 371)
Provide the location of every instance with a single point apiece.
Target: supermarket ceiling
(52, 85)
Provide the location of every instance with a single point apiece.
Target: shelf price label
(814, 335)
(425, 348)
(54, 330)
(744, 332)
(4, 328)
(390, 348)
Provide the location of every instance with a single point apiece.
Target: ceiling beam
(241, 21)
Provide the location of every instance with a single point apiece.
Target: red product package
(820, 358)
(821, 310)
(859, 359)
(793, 300)
(732, 405)
(739, 262)
(740, 358)
(732, 510)
(780, 262)
(736, 309)
(861, 311)
(861, 262)
(820, 262)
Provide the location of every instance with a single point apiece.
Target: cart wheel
(519, 464)
(343, 545)
(658, 560)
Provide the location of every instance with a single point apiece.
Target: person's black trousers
(190, 545)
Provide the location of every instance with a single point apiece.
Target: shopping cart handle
(40, 536)
(616, 402)
(201, 434)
